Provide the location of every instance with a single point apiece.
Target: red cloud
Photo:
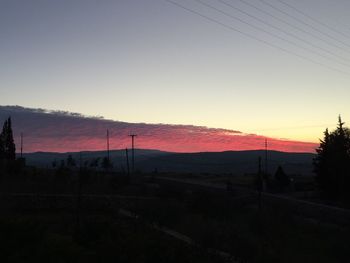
(65, 132)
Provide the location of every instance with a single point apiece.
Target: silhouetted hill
(235, 162)
(118, 157)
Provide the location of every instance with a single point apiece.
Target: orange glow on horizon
(66, 132)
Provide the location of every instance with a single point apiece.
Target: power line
(255, 38)
(258, 39)
(304, 23)
(282, 30)
(293, 26)
(313, 19)
(272, 34)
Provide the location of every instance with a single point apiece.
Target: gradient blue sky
(151, 61)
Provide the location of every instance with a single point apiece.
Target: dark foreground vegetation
(54, 237)
(238, 225)
(78, 212)
(126, 224)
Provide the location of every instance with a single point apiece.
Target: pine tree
(10, 147)
(2, 146)
(70, 161)
(321, 164)
(7, 145)
(106, 163)
(281, 178)
(3, 137)
(332, 163)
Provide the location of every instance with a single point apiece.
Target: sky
(277, 68)
(48, 131)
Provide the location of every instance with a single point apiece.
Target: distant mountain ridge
(233, 162)
(118, 157)
(227, 162)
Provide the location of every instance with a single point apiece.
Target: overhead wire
(303, 22)
(215, 21)
(293, 26)
(313, 19)
(271, 34)
(283, 31)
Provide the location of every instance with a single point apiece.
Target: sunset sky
(49, 131)
(267, 69)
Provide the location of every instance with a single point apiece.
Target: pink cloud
(64, 132)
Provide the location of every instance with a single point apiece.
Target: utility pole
(79, 194)
(108, 146)
(127, 161)
(133, 151)
(259, 183)
(21, 145)
(266, 169)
